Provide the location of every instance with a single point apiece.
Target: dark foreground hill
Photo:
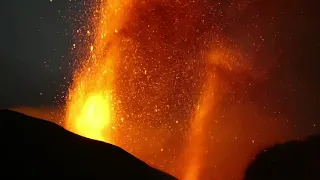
(34, 147)
(293, 160)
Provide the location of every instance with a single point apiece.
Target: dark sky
(294, 46)
(35, 42)
(289, 49)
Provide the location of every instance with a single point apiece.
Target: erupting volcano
(146, 84)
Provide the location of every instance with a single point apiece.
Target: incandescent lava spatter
(145, 68)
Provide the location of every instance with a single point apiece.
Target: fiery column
(196, 141)
(90, 108)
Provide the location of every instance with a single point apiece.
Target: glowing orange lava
(141, 85)
(94, 116)
(90, 107)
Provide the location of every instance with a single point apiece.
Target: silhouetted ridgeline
(288, 161)
(33, 147)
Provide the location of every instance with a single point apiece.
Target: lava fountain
(90, 106)
(144, 85)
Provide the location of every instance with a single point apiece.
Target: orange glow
(90, 107)
(147, 84)
(196, 147)
(94, 116)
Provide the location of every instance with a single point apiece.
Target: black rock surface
(293, 160)
(32, 147)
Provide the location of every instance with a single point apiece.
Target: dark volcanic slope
(291, 160)
(34, 147)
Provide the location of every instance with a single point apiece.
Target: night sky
(282, 38)
(35, 43)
